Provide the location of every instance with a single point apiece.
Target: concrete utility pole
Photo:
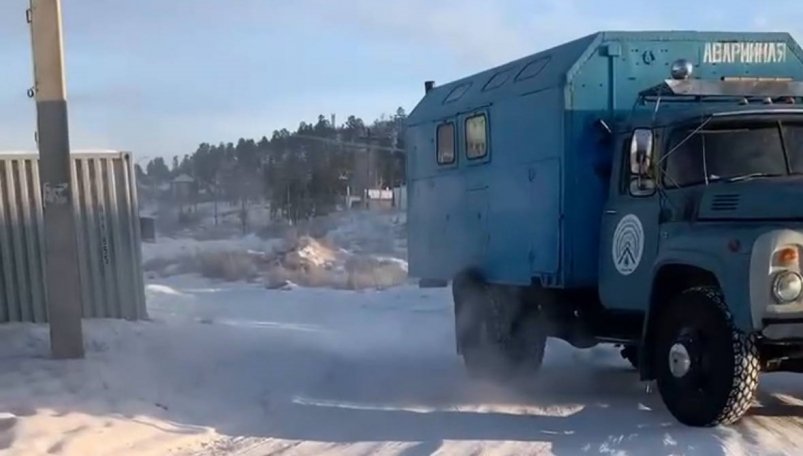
(62, 283)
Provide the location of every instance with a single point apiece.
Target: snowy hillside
(234, 367)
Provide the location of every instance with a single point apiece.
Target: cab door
(629, 236)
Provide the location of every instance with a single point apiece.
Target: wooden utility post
(62, 283)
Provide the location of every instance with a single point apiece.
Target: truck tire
(706, 368)
(495, 340)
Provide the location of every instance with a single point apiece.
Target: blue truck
(642, 189)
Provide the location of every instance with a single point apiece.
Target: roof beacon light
(681, 69)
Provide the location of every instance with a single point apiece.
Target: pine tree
(300, 174)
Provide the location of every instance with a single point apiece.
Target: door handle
(610, 211)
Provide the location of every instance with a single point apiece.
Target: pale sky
(158, 77)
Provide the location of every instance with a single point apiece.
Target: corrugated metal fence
(106, 214)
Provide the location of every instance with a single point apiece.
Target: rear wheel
(497, 338)
(706, 368)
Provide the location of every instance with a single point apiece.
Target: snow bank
(356, 250)
(168, 248)
(370, 232)
(111, 403)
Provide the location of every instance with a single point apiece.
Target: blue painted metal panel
(561, 59)
(545, 181)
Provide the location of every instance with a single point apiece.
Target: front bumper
(783, 329)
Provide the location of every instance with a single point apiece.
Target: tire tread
(746, 365)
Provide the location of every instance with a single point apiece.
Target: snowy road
(237, 369)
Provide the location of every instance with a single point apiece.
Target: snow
(353, 251)
(375, 233)
(17, 152)
(231, 367)
(168, 248)
(73, 151)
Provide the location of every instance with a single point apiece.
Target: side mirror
(641, 152)
(641, 147)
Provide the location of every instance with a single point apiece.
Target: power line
(349, 143)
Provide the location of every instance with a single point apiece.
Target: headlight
(787, 287)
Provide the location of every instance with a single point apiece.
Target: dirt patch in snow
(296, 261)
(317, 263)
(354, 250)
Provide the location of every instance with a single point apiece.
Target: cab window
(724, 151)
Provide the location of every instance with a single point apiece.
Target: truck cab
(707, 197)
(644, 192)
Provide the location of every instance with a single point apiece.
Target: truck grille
(725, 202)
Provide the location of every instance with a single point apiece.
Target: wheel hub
(679, 360)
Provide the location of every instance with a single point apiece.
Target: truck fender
(672, 273)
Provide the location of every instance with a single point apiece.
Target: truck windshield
(733, 150)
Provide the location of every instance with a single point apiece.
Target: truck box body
(530, 208)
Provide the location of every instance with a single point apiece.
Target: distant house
(183, 187)
(379, 198)
(183, 179)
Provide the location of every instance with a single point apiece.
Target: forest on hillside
(300, 174)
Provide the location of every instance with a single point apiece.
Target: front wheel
(706, 368)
